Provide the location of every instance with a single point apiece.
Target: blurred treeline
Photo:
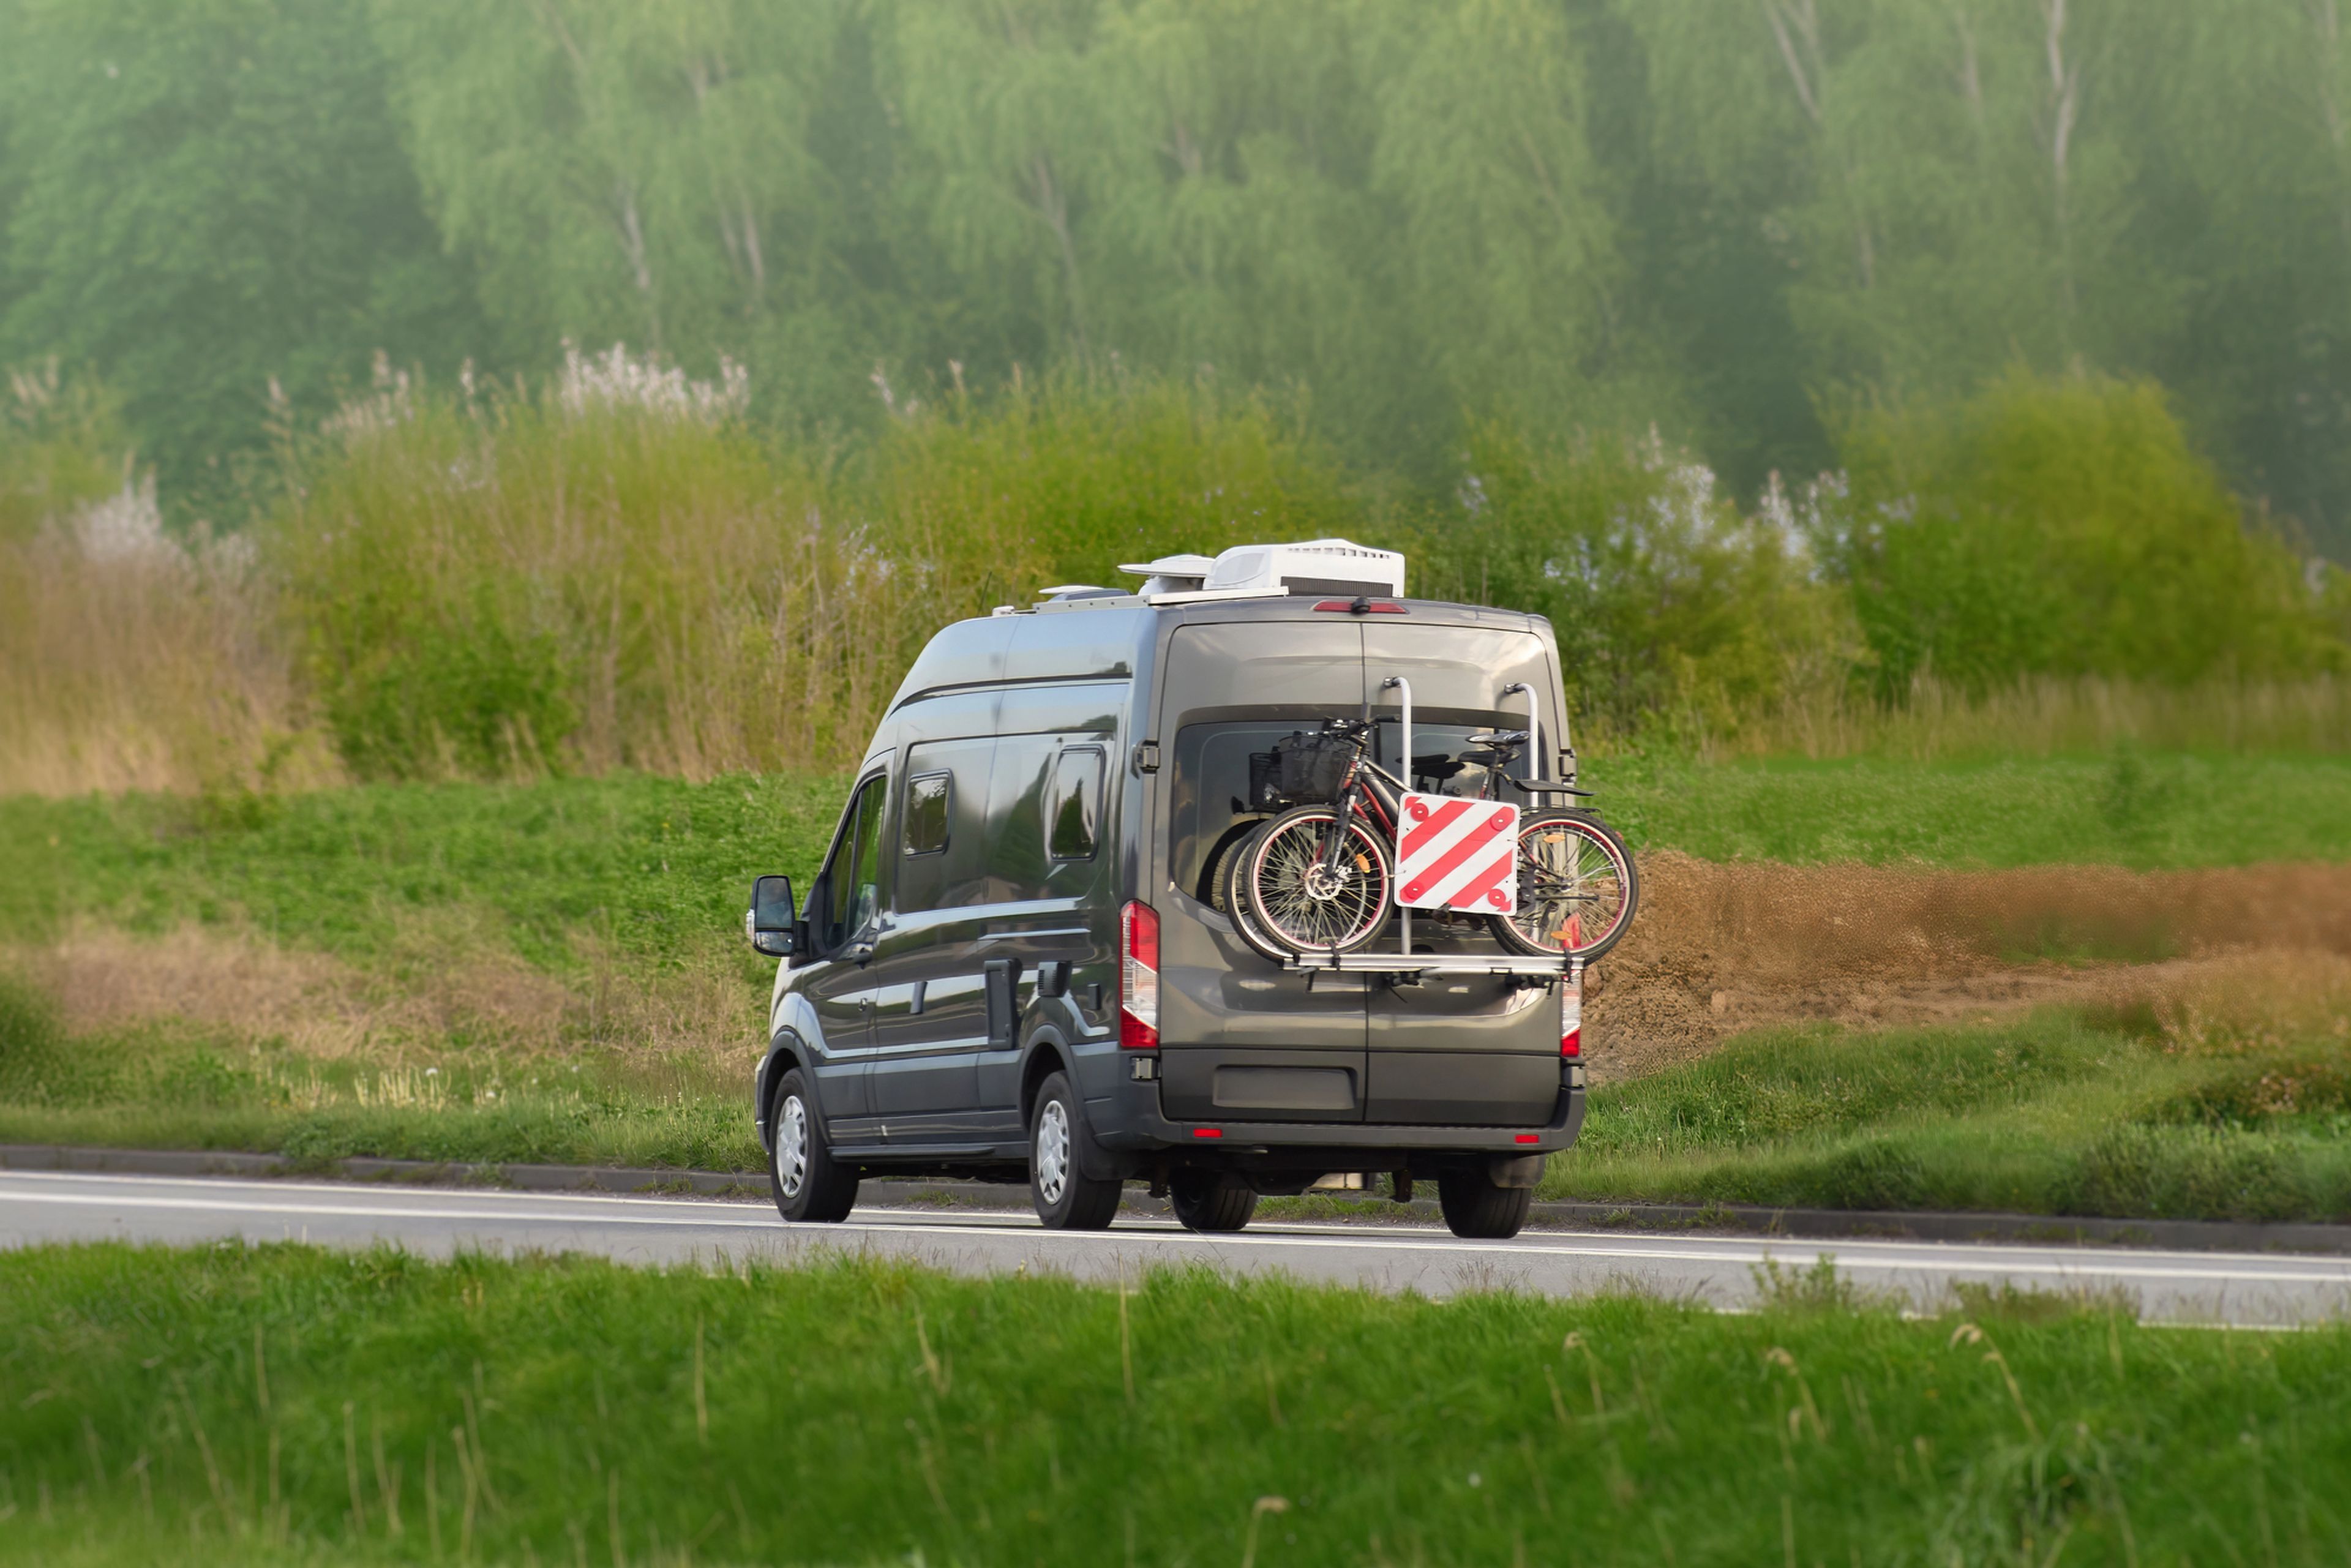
(1815, 365)
(1731, 218)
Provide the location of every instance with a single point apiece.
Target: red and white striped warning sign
(1453, 853)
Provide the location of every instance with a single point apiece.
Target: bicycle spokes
(1571, 888)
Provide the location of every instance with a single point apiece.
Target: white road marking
(538, 1211)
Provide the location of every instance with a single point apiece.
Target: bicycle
(1319, 878)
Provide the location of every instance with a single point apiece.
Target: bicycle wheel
(1304, 906)
(1233, 903)
(1577, 888)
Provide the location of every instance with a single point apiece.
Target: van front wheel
(808, 1186)
(1066, 1197)
(1478, 1210)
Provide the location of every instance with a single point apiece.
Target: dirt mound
(1721, 947)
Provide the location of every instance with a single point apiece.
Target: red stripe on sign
(1484, 882)
(1481, 837)
(1415, 840)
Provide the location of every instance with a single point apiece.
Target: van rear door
(1459, 1050)
(1240, 1039)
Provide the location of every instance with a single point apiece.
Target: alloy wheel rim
(792, 1146)
(1052, 1151)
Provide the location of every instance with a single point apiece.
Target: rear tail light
(1570, 1019)
(1138, 978)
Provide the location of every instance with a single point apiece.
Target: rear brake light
(1360, 607)
(1570, 1019)
(1138, 977)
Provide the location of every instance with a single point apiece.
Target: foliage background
(1809, 358)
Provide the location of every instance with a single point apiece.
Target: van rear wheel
(1211, 1200)
(1066, 1197)
(1479, 1210)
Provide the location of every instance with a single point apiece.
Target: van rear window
(1210, 788)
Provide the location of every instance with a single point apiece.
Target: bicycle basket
(1312, 766)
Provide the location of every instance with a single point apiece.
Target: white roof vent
(1250, 572)
(1171, 574)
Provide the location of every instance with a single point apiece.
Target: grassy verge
(550, 972)
(653, 866)
(292, 1405)
(2061, 1112)
(2146, 810)
(163, 1086)
(656, 863)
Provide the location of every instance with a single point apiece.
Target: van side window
(929, 806)
(851, 880)
(866, 904)
(1074, 805)
(943, 854)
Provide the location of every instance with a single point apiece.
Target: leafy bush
(1664, 597)
(2058, 526)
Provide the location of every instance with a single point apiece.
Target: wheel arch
(786, 1052)
(1047, 1055)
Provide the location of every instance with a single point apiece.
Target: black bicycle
(1319, 878)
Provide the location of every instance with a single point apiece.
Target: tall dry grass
(129, 660)
(617, 568)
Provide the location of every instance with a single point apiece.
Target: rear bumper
(1130, 1121)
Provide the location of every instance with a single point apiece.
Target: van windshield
(1210, 787)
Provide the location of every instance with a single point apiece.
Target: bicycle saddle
(1498, 737)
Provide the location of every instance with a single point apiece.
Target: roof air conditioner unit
(1316, 566)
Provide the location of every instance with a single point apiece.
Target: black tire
(1275, 879)
(1233, 903)
(809, 1188)
(1066, 1197)
(1601, 862)
(1214, 881)
(1211, 1200)
(1475, 1209)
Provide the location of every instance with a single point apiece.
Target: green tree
(209, 198)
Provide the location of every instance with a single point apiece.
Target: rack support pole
(1404, 689)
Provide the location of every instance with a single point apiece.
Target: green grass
(650, 875)
(654, 866)
(657, 865)
(162, 1086)
(2150, 811)
(235, 1405)
(2056, 1114)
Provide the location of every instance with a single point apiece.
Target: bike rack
(1422, 964)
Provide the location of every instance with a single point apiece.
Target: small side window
(930, 806)
(1073, 808)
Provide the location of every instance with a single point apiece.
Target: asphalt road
(44, 1206)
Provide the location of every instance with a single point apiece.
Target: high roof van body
(958, 959)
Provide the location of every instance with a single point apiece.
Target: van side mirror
(770, 920)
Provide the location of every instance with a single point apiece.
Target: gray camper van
(1013, 965)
